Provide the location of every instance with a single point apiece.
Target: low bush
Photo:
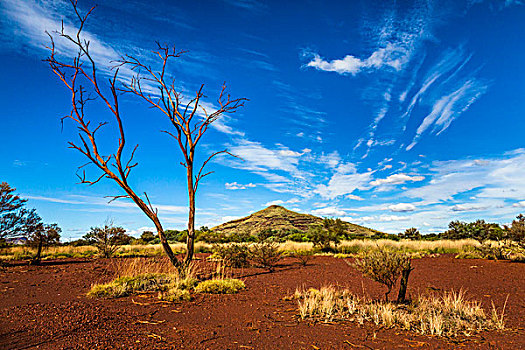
(386, 267)
(304, 256)
(220, 286)
(175, 295)
(447, 315)
(265, 254)
(233, 254)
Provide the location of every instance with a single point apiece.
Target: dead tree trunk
(401, 296)
(190, 240)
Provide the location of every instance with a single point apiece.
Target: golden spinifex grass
(22, 252)
(147, 275)
(139, 266)
(220, 286)
(159, 275)
(448, 314)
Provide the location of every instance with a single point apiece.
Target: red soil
(45, 307)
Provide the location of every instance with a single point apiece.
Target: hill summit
(276, 217)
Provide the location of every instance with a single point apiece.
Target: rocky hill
(277, 217)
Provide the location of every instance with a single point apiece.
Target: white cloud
(281, 202)
(391, 56)
(258, 157)
(137, 232)
(468, 207)
(230, 218)
(238, 186)
(397, 179)
(354, 197)
(328, 211)
(341, 184)
(520, 204)
(331, 160)
(387, 218)
(402, 207)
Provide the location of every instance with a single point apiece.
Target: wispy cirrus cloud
(448, 108)
(238, 186)
(487, 178)
(251, 5)
(29, 21)
(91, 201)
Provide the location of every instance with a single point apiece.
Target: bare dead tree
(189, 119)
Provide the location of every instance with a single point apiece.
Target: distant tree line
(479, 230)
(21, 225)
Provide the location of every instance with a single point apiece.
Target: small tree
(147, 236)
(189, 118)
(516, 231)
(106, 238)
(266, 254)
(386, 267)
(12, 213)
(42, 235)
(323, 235)
(411, 233)
(19, 222)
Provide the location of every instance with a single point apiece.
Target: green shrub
(386, 267)
(233, 254)
(265, 254)
(411, 233)
(220, 286)
(175, 295)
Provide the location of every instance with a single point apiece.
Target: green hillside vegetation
(278, 218)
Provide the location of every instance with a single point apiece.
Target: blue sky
(386, 114)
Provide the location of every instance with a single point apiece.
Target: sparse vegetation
(266, 254)
(304, 256)
(233, 254)
(106, 238)
(449, 314)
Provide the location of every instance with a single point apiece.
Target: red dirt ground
(45, 307)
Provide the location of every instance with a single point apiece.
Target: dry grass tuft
(147, 275)
(447, 315)
(139, 266)
(220, 286)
